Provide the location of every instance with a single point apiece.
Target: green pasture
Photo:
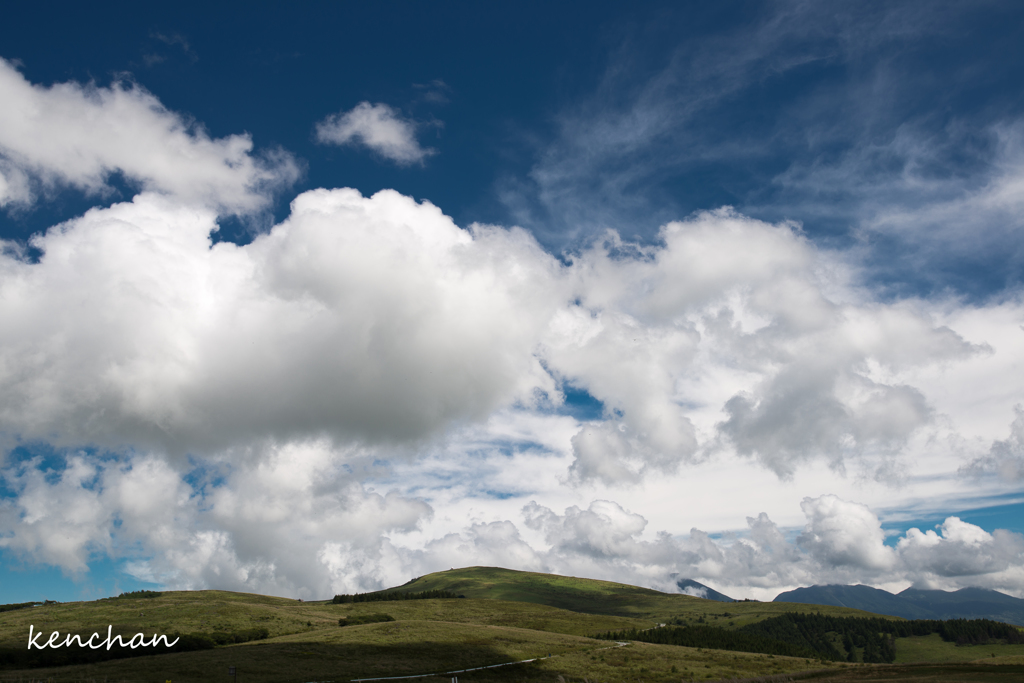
(419, 647)
(931, 648)
(506, 616)
(208, 611)
(605, 597)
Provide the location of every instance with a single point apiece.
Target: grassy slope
(428, 636)
(504, 618)
(207, 611)
(605, 597)
(932, 648)
(418, 647)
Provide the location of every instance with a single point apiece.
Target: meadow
(504, 617)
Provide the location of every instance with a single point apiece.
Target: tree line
(18, 605)
(712, 638)
(140, 594)
(851, 639)
(381, 596)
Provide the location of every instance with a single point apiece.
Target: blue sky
(728, 291)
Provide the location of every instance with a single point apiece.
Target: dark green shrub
(382, 596)
(140, 594)
(365, 619)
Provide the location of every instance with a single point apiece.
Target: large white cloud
(750, 322)
(840, 534)
(363, 318)
(79, 135)
(378, 319)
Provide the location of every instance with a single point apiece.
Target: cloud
(604, 530)
(840, 534)
(170, 40)
(841, 542)
(660, 118)
(747, 329)
(364, 319)
(14, 185)
(927, 200)
(296, 520)
(435, 92)
(267, 524)
(379, 321)
(173, 39)
(963, 554)
(1005, 457)
(79, 135)
(378, 127)
(56, 522)
(925, 217)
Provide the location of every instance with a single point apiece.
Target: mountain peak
(699, 590)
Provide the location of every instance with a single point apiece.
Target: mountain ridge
(914, 603)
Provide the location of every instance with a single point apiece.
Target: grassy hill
(506, 616)
(211, 611)
(591, 596)
(305, 642)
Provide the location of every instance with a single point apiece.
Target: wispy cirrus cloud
(848, 150)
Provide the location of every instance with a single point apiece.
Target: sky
(319, 298)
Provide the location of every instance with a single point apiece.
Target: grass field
(924, 673)
(605, 597)
(505, 617)
(418, 647)
(206, 611)
(932, 648)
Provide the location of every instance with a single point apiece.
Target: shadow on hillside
(922, 673)
(255, 663)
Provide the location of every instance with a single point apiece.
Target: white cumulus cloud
(377, 127)
(78, 135)
(840, 534)
(361, 318)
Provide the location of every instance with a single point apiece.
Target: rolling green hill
(306, 643)
(506, 616)
(591, 596)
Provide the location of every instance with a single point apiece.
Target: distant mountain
(968, 603)
(913, 603)
(699, 590)
(858, 597)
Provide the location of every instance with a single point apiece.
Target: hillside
(306, 643)
(591, 596)
(913, 603)
(502, 620)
